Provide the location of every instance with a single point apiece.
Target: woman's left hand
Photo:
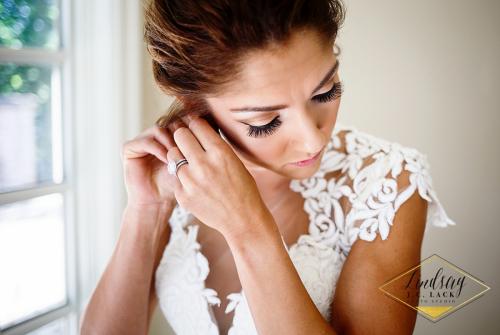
(215, 186)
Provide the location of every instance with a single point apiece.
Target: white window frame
(101, 64)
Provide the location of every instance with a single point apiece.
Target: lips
(310, 160)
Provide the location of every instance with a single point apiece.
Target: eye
(332, 94)
(268, 129)
(265, 130)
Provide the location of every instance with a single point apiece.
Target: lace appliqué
(376, 188)
(318, 266)
(180, 281)
(372, 191)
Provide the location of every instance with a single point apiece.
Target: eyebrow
(323, 81)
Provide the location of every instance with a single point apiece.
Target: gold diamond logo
(435, 288)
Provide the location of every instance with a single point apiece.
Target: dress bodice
(360, 202)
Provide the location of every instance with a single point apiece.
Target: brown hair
(197, 46)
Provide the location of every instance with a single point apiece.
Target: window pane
(32, 262)
(57, 327)
(30, 146)
(32, 23)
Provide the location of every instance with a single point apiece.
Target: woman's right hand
(144, 158)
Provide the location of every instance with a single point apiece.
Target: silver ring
(173, 166)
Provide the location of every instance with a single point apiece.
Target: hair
(198, 46)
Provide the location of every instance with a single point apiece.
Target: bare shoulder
(359, 307)
(384, 190)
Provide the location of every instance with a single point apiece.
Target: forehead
(271, 74)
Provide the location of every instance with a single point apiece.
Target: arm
(272, 285)
(278, 300)
(124, 298)
(359, 306)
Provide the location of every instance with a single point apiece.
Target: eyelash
(270, 128)
(332, 94)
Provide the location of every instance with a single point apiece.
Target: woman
(267, 194)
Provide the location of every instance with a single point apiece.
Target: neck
(270, 184)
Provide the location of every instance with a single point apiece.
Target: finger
(188, 144)
(143, 146)
(162, 135)
(205, 134)
(175, 155)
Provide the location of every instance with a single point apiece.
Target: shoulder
(372, 263)
(354, 150)
(381, 175)
(391, 200)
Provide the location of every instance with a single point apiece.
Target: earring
(220, 133)
(223, 136)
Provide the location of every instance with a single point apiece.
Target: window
(70, 96)
(35, 204)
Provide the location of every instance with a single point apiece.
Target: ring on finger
(174, 166)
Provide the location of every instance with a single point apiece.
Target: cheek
(265, 151)
(270, 152)
(327, 115)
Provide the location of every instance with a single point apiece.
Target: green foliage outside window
(30, 24)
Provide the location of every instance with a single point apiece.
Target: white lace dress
(370, 181)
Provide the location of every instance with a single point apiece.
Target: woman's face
(283, 107)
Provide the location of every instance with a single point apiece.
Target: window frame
(60, 60)
(92, 212)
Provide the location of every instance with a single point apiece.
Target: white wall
(426, 74)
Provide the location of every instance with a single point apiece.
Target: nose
(308, 130)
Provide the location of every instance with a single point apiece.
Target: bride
(248, 189)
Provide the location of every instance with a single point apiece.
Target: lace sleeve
(381, 187)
